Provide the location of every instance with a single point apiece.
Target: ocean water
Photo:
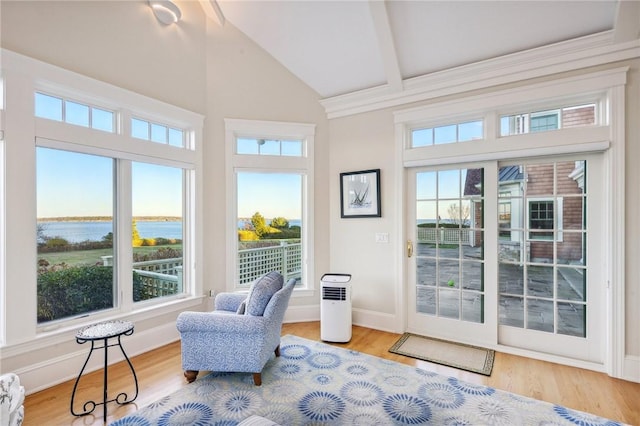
(76, 232)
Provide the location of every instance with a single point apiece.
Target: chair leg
(257, 379)
(277, 351)
(191, 375)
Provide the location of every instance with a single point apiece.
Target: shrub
(78, 290)
(246, 235)
(56, 242)
(161, 253)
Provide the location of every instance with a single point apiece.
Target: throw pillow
(261, 291)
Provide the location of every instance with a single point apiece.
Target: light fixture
(166, 11)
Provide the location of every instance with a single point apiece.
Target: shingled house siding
(577, 117)
(540, 184)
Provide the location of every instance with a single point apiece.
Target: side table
(104, 331)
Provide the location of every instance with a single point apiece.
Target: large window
(74, 233)
(110, 223)
(271, 228)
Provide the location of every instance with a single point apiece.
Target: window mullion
(124, 249)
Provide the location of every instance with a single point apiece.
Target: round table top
(103, 330)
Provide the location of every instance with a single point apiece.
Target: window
(450, 249)
(548, 271)
(462, 132)
(157, 231)
(102, 212)
(272, 183)
(270, 225)
(159, 133)
(541, 218)
(76, 113)
(269, 147)
(540, 121)
(75, 231)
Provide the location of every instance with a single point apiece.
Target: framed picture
(360, 194)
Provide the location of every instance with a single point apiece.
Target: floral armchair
(11, 399)
(240, 334)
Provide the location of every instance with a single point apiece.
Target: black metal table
(102, 332)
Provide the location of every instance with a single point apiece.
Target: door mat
(457, 355)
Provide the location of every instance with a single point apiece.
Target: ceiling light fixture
(166, 11)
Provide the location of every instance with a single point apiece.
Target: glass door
(446, 254)
(550, 257)
(510, 254)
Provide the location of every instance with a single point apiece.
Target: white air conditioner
(335, 308)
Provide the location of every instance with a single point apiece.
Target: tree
(259, 224)
(280, 223)
(459, 214)
(136, 241)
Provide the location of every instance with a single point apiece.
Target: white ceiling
(341, 47)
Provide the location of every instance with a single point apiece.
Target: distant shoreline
(108, 219)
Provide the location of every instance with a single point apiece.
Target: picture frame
(360, 194)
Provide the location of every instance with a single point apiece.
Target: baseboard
(377, 320)
(631, 369)
(362, 317)
(302, 313)
(39, 376)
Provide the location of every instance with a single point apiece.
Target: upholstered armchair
(240, 334)
(11, 399)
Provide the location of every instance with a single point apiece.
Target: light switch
(382, 237)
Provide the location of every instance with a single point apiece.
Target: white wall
(364, 142)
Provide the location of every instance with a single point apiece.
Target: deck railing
(255, 262)
(444, 235)
(163, 277)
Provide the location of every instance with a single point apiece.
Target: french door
(509, 253)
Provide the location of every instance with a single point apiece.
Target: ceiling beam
(627, 21)
(212, 10)
(386, 45)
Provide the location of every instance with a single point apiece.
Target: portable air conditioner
(335, 308)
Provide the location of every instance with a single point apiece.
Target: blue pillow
(261, 292)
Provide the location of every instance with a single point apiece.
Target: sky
(270, 194)
(74, 184)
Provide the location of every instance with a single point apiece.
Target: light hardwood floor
(159, 374)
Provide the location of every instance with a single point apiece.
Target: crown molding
(569, 55)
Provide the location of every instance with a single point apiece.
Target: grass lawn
(91, 257)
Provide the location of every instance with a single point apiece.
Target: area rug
(313, 383)
(464, 357)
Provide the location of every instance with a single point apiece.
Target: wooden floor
(159, 374)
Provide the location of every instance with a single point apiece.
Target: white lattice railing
(285, 258)
(163, 277)
(444, 236)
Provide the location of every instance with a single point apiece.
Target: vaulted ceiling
(342, 47)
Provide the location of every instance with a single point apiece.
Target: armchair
(240, 334)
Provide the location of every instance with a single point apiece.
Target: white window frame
(238, 128)
(26, 76)
(557, 220)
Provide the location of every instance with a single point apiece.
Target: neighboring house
(529, 207)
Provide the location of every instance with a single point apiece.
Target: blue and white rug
(312, 383)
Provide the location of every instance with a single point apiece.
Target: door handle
(409, 248)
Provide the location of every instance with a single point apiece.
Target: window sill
(65, 332)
